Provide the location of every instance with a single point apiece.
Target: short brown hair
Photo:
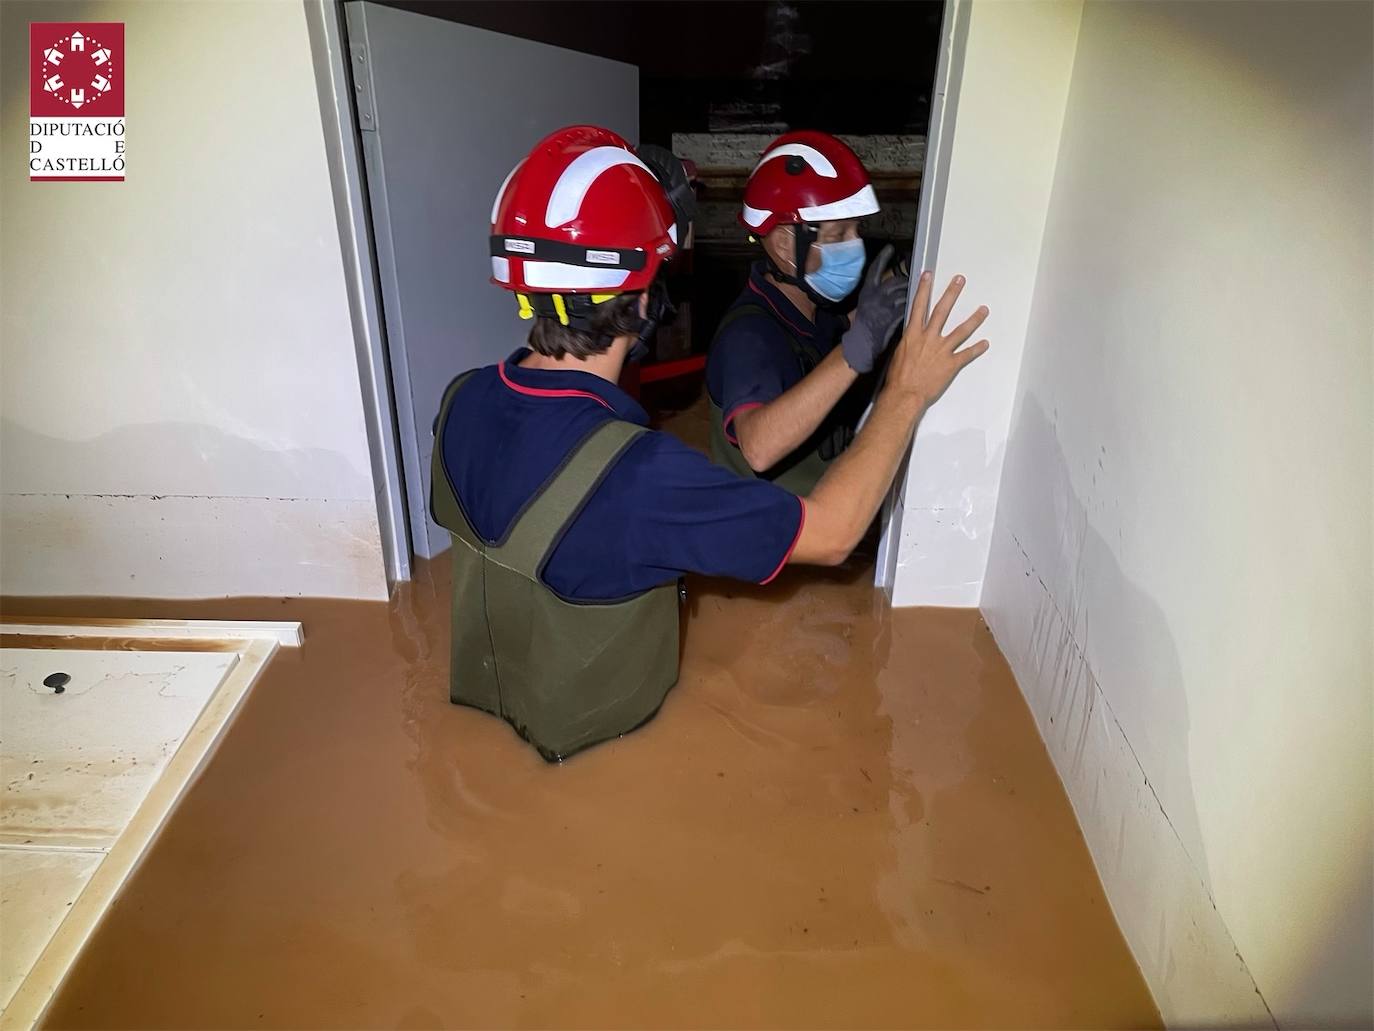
(610, 319)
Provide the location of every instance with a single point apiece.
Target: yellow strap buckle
(561, 308)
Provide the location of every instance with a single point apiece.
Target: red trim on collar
(543, 392)
(769, 301)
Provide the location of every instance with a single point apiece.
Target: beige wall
(180, 399)
(1181, 566)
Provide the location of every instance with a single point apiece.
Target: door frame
(944, 105)
(326, 21)
(334, 82)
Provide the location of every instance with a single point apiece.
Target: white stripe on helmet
(500, 268)
(557, 275)
(864, 202)
(572, 186)
(755, 216)
(813, 157)
(496, 204)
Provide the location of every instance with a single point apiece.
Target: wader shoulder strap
(450, 392)
(540, 526)
(740, 311)
(804, 350)
(444, 508)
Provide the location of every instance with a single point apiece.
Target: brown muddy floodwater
(842, 817)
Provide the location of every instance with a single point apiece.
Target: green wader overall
(800, 471)
(564, 674)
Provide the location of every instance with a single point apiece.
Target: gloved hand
(882, 303)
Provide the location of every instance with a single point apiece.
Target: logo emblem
(76, 101)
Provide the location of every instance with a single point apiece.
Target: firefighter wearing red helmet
(785, 369)
(571, 521)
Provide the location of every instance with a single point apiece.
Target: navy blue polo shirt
(751, 361)
(662, 510)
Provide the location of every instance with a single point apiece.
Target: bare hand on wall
(927, 358)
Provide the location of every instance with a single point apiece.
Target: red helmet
(806, 177)
(582, 214)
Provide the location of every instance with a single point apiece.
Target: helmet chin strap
(803, 238)
(659, 311)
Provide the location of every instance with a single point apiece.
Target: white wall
(1181, 568)
(181, 406)
(1011, 90)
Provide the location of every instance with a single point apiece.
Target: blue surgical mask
(842, 266)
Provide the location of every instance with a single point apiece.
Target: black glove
(882, 304)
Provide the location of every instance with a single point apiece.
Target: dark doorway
(734, 71)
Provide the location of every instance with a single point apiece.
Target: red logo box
(76, 69)
(76, 102)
